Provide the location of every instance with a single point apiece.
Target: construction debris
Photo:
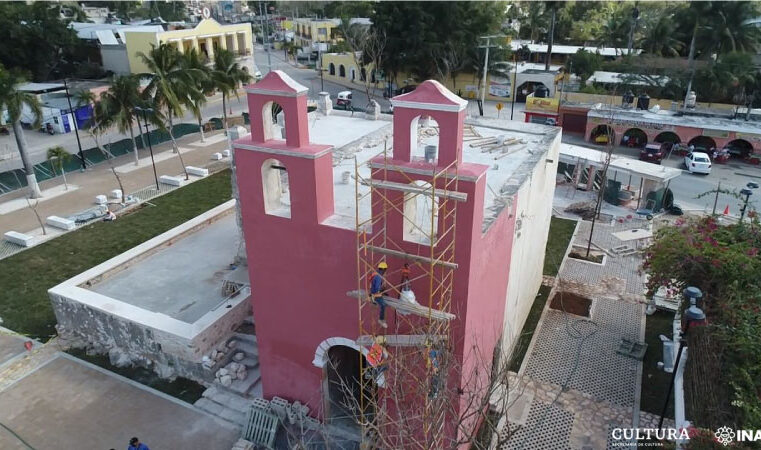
(586, 210)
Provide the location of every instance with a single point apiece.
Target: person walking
(135, 444)
(377, 289)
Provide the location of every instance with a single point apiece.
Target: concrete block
(261, 404)
(116, 194)
(279, 407)
(226, 153)
(226, 380)
(17, 238)
(170, 180)
(197, 171)
(101, 200)
(216, 156)
(60, 222)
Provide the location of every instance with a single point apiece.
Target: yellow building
(206, 37)
(342, 68)
(311, 31)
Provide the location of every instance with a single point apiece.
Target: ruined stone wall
(131, 343)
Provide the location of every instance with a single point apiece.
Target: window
(421, 212)
(342, 71)
(273, 121)
(332, 69)
(277, 195)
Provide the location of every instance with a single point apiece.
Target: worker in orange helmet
(377, 289)
(377, 357)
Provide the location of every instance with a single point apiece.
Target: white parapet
(17, 238)
(60, 222)
(116, 194)
(170, 180)
(197, 171)
(101, 199)
(226, 153)
(216, 156)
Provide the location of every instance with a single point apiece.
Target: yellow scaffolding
(409, 405)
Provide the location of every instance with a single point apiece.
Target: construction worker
(406, 277)
(376, 358)
(377, 289)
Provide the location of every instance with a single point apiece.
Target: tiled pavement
(578, 354)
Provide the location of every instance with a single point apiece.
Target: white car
(698, 162)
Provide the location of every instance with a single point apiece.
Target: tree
(421, 35)
(553, 8)
(171, 86)
(58, 156)
(36, 40)
(119, 103)
(226, 77)
(728, 29)
(584, 64)
(14, 101)
(193, 60)
(660, 38)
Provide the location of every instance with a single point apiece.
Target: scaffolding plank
(410, 189)
(400, 254)
(402, 340)
(402, 306)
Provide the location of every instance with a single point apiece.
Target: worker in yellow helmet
(377, 289)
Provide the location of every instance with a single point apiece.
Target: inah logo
(725, 435)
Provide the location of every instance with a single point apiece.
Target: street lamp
(746, 191)
(692, 315)
(145, 111)
(76, 128)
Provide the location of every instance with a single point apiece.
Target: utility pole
(515, 85)
(265, 38)
(635, 18)
(486, 66)
(551, 40)
(76, 129)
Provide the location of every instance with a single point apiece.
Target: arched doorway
(362, 74)
(332, 69)
(342, 71)
(634, 137)
(702, 143)
(668, 136)
(601, 134)
(739, 148)
(525, 89)
(343, 369)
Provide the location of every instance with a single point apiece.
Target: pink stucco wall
(685, 133)
(301, 269)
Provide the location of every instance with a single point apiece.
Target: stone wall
(128, 342)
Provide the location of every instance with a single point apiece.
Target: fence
(16, 179)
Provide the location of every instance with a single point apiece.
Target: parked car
(344, 99)
(698, 162)
(653, 153)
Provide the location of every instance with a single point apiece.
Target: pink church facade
(301, 266)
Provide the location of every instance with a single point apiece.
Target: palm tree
(119, 103)
(58, 156)
(193, 60)
(170, 86)
(728, 29)
(14, 102)
(698, 10)
(660, 38)
(227, 75)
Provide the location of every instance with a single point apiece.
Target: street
(733, 175)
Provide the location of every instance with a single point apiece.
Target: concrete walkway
(573, 388)
(100, 180)
(67, 403)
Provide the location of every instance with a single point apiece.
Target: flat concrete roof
(364, 139)
(68, 403)
(182, 280)
(665, 117)
(572, 153)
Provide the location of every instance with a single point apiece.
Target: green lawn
(561, 231)
(26, 276)
(655, 382)
(521, 346)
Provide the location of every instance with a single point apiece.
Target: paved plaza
(573, 387)
(67, 403)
